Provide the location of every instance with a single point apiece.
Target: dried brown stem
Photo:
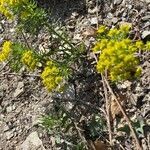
(25, 40)
(17, 74)
(125, 115)
(79, 133)
(107, 107)
(107, 110)
(4, 66)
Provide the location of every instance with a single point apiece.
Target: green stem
(25, 40)
(61, 37)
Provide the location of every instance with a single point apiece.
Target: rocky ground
(23, 99)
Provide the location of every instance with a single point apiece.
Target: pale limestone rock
(32, 142)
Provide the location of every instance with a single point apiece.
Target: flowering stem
(26, 41)
(107, 110)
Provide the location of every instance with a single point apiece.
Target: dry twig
(3, 66)
(125, 115)
(123, 112)
(107, 107)
(17, 74)
(107, 110)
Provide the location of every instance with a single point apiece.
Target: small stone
(138, 89)
(77, 37)
(89, 32)
(146, 26)
(17, 128)
(147, 17)
(3, 21)
(130, 6)
(115, 20)
(12, 30)
(108, 22)
(125, 85)
(10, 125)
(9, 135)
(124, 14)
(71, 27)
(15, 142)
(1, 40)
(35, 120)
(6, 128)
(87, 43)
(147, 1)
(145, 34)
(148, 7)
(2, 116)
(19, 90)
(40, 135)
(109, 15)
(32, 142)
(53, 141)
(13, 107)
(74, 15)
(9, 109)
(94, 21)
(117, 2)
(69, 106)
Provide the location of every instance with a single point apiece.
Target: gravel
(23, 100)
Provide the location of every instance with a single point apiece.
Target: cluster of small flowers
(51, 76)
(117, 53)
(30, 18)
(5, 7)
(29, 59)
(6, 50)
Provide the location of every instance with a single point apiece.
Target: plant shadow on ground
(79, 108)
(63, 9)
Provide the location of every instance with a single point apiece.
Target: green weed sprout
(117, 53)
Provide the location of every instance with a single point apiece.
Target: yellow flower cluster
(24, 14)
(29, 59)
(102, 29)
(117, 53)
(6, 5)
(51, 76)
(147, 46)
(6, 50)
(100, 45)
(125, 27)
(139, 44)
(113, 32)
